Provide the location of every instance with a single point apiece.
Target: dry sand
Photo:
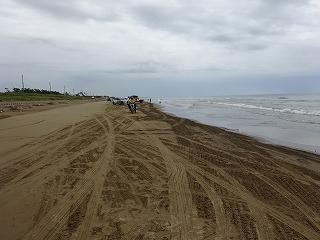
(14, 108)
(94, 171)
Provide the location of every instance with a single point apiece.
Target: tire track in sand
(254, 203)
(57, 217)
(44, 160)
(94, 201)
(179, 192)
(224, 229)
(258, 212)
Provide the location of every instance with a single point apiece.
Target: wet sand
(95, 171)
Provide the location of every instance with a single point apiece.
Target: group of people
(132, 103)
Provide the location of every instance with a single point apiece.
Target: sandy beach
(15, 108)
(95, 171)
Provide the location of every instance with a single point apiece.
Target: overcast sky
(162, 47)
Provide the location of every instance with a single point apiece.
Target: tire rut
(56, 218)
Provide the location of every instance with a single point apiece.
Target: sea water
(289, 120)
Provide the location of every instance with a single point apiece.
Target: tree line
(34, 90)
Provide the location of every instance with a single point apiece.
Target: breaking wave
(284, 110)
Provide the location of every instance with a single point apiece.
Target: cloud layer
(104, 44)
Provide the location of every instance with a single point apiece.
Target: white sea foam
(284, 110)
(298, 106)
(289, 120)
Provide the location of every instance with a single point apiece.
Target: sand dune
(94, 171)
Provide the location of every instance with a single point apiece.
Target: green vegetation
(37, 95)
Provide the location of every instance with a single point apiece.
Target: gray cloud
(71, 9)
(184, 40)
(249, 26)
(142, 67)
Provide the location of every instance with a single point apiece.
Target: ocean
(289, 120)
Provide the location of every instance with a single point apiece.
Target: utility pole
(73, 91)
(22, 82)
(50, 86)
(64, 90)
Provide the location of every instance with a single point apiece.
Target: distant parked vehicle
(117, 101)
(124, 100)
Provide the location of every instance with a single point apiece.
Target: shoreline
(280, 143)
(237, 132)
